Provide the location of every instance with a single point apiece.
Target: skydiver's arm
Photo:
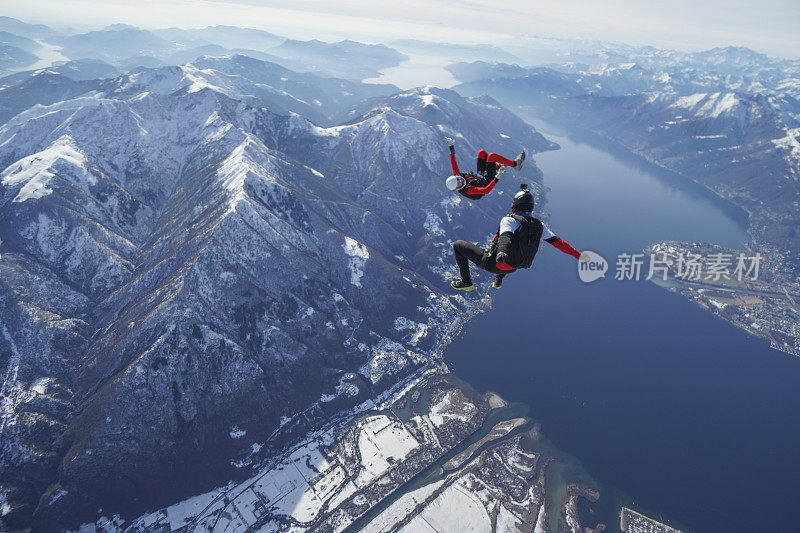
(508, 225)
(559, 243)
(504, 243)
(506, 232)
(453, 163)
(486, 189)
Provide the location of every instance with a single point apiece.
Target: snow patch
(688, 102)
(507, 521)
(5, 507)
(40, 385)
(56, 496)
(419, 331)
(715, 303)
(541, 526)
(36, 171)
(791, 143)
(457, 508)
(446, 410)
(383, 443)
(427, 100)
(713, 104)
(358, 258)
(433, 225)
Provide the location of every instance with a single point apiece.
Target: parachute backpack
(525, 242)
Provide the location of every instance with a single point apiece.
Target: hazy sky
(770, 26)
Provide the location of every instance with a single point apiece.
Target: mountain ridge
(187, 237)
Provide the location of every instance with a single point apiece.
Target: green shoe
(461, 286)
(497, 283)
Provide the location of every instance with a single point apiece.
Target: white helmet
(455, 182)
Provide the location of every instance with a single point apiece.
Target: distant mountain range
(23, 29)
(728, 118)
(23, 43)
(12, 57)
(226, 36)
(127, 47)
(454, 52)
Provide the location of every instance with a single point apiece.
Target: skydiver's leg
(491, 171)
(466, 252)
(481, 163)
(497, 158)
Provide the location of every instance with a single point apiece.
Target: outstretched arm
(453, 163)
(559, 243)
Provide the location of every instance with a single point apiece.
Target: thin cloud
(769, 25)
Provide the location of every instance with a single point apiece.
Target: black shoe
(461, 286)
(498, 282)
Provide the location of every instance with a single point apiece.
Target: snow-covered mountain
(479, 70)
(80, 70)
(44, 88)
(183, 257)
(317, 98)
(742, 146)
(653, 70)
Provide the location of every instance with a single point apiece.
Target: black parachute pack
(525, 242)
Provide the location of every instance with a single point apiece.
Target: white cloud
(769, 25)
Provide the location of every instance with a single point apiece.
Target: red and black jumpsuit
(481, 184)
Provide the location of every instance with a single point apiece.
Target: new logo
(592, 267)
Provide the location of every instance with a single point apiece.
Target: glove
(501, 257)
(585, 257)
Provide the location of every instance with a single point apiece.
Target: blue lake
(659, 399)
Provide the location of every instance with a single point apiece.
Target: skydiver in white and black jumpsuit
(494, 258)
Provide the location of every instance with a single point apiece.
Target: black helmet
(523, 200)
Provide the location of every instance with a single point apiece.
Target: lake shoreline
(640, 161)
